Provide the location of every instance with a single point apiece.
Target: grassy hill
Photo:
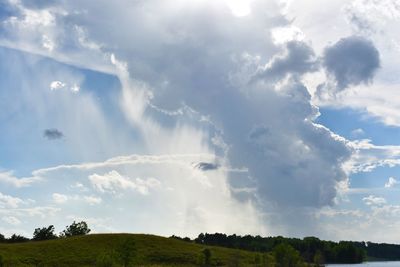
(91, 249)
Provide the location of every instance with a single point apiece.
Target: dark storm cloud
(351, 61)
(53, 134)
(298, 58)
(205, 166)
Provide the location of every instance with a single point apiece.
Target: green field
(91, 249)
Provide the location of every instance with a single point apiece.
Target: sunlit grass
(150, 251)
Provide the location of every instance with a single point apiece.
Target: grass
(150, 250)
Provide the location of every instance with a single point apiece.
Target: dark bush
(45, 233)
(80, 228)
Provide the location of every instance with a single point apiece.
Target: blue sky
(267, 117)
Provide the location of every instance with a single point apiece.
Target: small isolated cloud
(113, 182)
(392, 182)
(75, 88)
(53, 134)
(374, 200)
(56, 85)
(351, 61)
(205, 166)
(59, 198)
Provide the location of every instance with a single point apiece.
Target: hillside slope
(87, 250)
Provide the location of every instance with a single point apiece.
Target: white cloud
(56, 85)
(113, 182)
(80, 187)
(92, 200)
(11, 220)
(75, 88)
(37, 211)
(392, 182)
(380, 101)
(7, 201)
(372, 200)
(9, 178)
(282, 35)
(62, 199)
(59, 198)
(379, 221)
(374, 20)
(182, 203)
(239, 8)
(47, 43)
(368, 156)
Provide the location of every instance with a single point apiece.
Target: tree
(346, 252)
(2, 238)
(200, 239)
(80, 228)
(126, 251)
(287, 256)
(319, 259)
(45, 233)
(17, 239)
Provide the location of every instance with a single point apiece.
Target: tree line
(310, 249)
(48, 233)
(380, 251)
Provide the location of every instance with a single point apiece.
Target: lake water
(369, 264)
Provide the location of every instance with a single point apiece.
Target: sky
(264, 117)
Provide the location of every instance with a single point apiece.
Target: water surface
(369, 264)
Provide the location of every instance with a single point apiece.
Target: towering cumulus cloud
(197, 79)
